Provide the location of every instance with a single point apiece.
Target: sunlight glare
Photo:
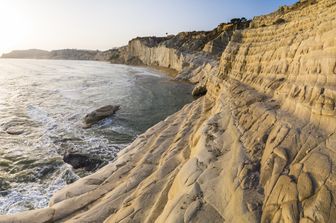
(13, 27)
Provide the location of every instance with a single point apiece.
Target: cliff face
(188, 53)
(258, 147)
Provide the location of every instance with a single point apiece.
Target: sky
(104, 24)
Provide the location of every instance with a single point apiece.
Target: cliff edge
(258, 147)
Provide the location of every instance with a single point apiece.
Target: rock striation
(258, 147)
(188, 53)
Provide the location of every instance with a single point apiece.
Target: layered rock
(188, 53)
(258, 147)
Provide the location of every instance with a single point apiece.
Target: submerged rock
(69, 176)
(99, 114)
(77, 161)
(4, 186)
(15, 130)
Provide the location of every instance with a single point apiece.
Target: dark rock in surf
(199, 91)
(77, 161)
(99, 114)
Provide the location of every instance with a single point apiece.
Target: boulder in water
(78, 160)
(199, 91)
(99, 114)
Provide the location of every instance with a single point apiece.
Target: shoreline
(167, 71)
(164, 70)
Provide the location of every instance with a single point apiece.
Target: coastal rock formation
(188, 53)
(258, 147)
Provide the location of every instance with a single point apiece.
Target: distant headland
(63, 54)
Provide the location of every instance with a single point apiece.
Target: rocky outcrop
(258, 147)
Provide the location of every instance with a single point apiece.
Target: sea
(42, 105)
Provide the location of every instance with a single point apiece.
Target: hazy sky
(103, 24)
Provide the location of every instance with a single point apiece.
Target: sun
(13, 27)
